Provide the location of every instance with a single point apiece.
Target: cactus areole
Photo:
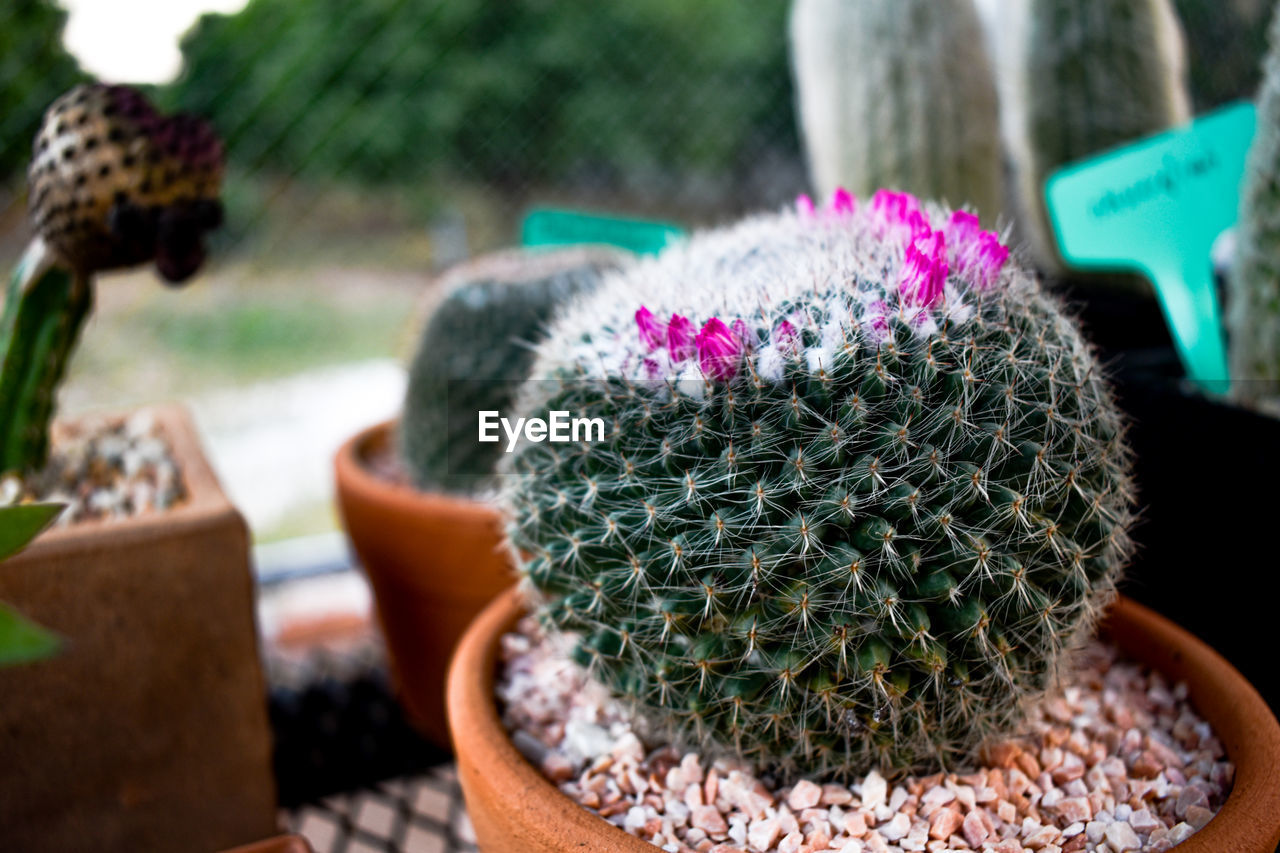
(112, 184)
(862, 491)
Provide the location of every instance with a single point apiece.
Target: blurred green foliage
(34, 70)
(509, 91)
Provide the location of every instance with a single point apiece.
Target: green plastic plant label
(545, 227)
(1155, 207)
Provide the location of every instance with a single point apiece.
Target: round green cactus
(476, 349)
(862, 487)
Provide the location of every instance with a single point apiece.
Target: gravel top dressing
(104, 469)
(1115, 760)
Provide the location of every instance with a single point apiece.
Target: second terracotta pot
(434, 562)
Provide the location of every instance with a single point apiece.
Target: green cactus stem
(901, 95)
(45, 308)
(1081, 76)
(862, 490)
(1253, 287)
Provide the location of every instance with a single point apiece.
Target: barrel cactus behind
(898, 95)
(475, 350)
(1253, 296)
(1082, 76)
(862, 487)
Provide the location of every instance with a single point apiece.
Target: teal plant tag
(545, 227)
(1156, 206)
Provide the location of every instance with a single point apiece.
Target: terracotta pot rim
(205, 502)
(280, 844)
(355, 479)
(1239, 716)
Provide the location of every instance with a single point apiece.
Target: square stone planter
(149, 730)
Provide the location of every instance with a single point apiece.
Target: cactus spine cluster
(898, 95)
(1253, 297)
(1082, 76)
(112, 184)
(862, 487)
(475, 350)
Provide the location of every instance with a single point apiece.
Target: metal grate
(419, 814)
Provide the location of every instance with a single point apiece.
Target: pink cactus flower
(745, 336)
(876, 317)
(923, 276)
(681, 339)
(652, 332)
(962, 228)
(896, 214)
(990, 259)
(785, 337)
(843, 202)
(719, 350)
(804, 205)
(897, 218)
(978, 255)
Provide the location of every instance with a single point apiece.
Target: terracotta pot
(433, 561)
(514, 808)
(279, 844)
(150, 727)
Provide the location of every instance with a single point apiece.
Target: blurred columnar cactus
(1081, 76)
(1226, 40)
(898, 95)
(112, 184)
(475, 351)
(863, 487)
(1253, 303)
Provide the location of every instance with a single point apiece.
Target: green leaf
(21, 523)
(23, 641)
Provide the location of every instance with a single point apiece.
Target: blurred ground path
(272, 443)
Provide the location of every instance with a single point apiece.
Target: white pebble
(805, 795)
(635, 819)
(763, 832)
(873, 791)
(1121, 837)
(896, 828)
(791, 842)
(1142, 820)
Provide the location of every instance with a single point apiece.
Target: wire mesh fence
(424, 128)
(370, 144)
(389, 125)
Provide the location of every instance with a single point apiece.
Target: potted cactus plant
(413, 494)
(151, 724)
(862, 494)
